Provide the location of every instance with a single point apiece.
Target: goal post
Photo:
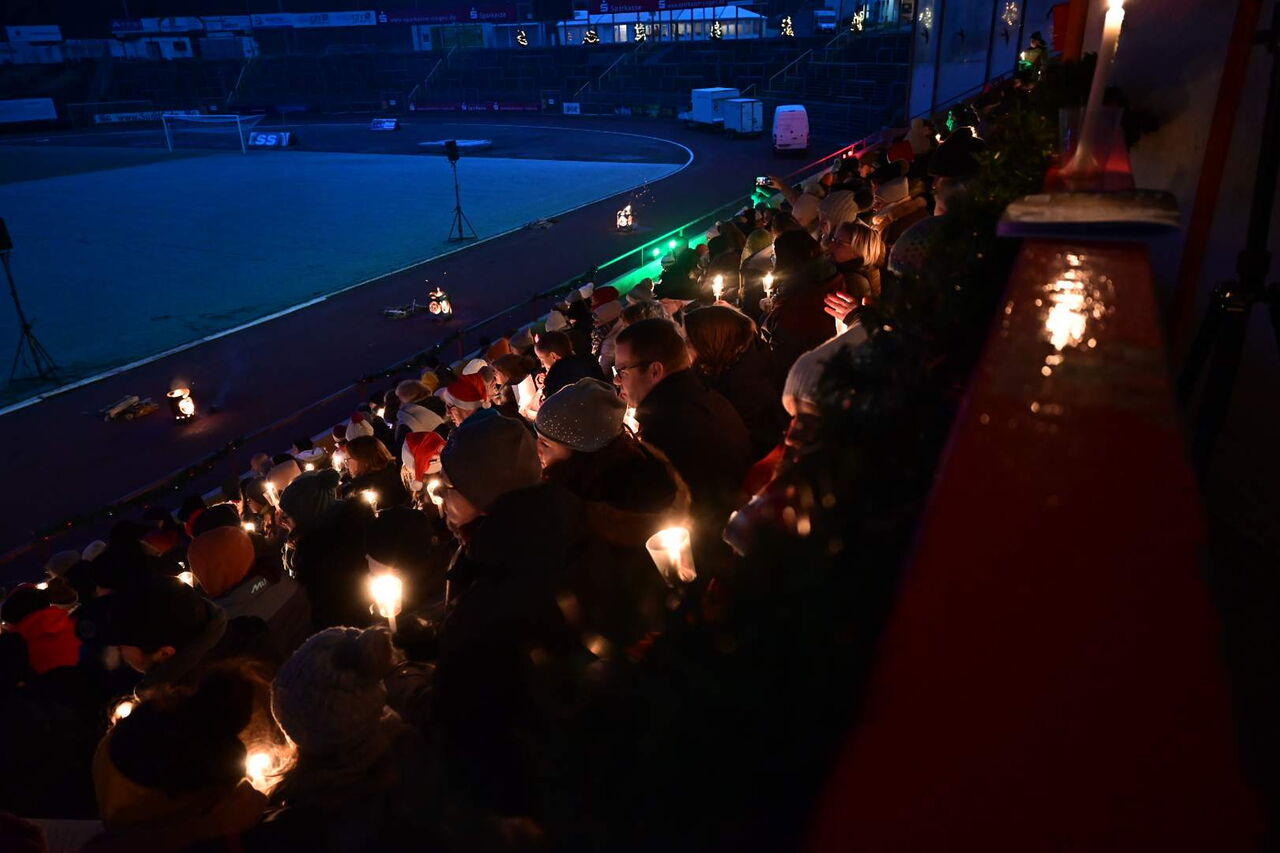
(177, 123)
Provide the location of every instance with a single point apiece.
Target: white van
(790, 128)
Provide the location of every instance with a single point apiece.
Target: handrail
(604, 73)
(835, 39)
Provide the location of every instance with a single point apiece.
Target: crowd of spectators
(220, 676)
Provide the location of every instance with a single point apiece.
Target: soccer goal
(178, 127)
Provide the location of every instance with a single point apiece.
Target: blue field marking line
(116, 371)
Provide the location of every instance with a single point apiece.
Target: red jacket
(51, 639)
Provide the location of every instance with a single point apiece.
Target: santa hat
(603, 295)
(358, 425)
(475, 365)
(466, 392)
(422, 452)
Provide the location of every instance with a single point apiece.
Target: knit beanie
(806, 373)
(58, 564)
(642, 292)
(329, 697)
(417, 418)
(486, 459)
(220, 559)
(497, 349)
(310, 497)
(586, 415)
(358, 425)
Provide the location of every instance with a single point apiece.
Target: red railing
(1051, 676)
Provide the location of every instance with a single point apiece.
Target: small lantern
(438, 304)
(626, 219)
(181, 404)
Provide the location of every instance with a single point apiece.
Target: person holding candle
(629, 490)
(362, 779)
(796, 321)
(563, 365)
(373, 467)
(325, 548)
(696, 427)
(171, 774)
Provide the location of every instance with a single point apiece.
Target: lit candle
(272, 497)
(672, 554)
(42, 585)
(310, 466)
(717, 286)
(381, 412)
(258, 767)
(337, 460)
(187, 577)
(629, 419)
(1085, 160)
(433, 492)
(249, 527)
(768, 285)
(123, 709)
(387, 590)
(371, 498)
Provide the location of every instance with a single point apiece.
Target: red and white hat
(423, 451)
(466, 392)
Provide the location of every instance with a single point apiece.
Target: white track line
(115, 371)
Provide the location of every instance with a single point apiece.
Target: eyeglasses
(618, 370)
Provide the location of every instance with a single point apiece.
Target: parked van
(790, 128)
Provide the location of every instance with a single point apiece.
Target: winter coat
(221, 638)
(569, 370)
(504, 639)
(706, 441)
(385, 481)
(391, 803)
(860, 281)
(749, 386)
(798, 321)
(328, 560)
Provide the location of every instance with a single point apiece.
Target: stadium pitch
(124, 250)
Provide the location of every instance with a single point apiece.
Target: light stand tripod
(30, 354)
(1219, 343)
(457, 231)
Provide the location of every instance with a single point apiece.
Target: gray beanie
(488, 456)
(586, 415)
(329, 697)
(806, 372)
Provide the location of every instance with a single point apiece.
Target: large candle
(1085, 160)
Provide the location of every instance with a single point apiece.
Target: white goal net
(208, 131)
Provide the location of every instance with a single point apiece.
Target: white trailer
(744, 116)
(707, 107)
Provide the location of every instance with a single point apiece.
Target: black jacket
(749, 386)
(705, 440)
(328, 559)
(505, 640)
(569, 370)
(386, 482)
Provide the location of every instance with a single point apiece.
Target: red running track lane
(60, 459)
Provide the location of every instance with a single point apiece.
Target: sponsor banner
(33, 33)
(477, 106)
(27, 109)
(149, 115)
(312, 20)
(605, 7)
(226, 23)
(491, 13)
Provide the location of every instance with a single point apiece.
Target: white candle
(768, 284)
(387, 591)
(1085, 160)
(629, 420)
(257, 766)
(672, 554)
(717, 286)
(371, 498)
(433, 492)
(122, 710)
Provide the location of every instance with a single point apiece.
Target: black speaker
(5, 242)
(451, 150)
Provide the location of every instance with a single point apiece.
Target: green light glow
(671, 244)
(657, 252)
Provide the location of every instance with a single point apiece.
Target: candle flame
(387, 590)
(187, 577)
(249, 527)
(123, 709)
(310, 466)
(717, 286)
(768, 284)
(370, 497)
(433, 492)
